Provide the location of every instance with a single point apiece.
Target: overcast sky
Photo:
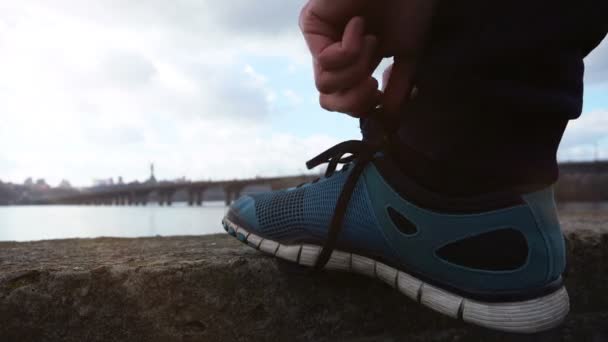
(204, 89)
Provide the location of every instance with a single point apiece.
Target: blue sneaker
(495, 261)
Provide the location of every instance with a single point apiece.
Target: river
(27, 223)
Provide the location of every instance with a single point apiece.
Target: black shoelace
(352, 152)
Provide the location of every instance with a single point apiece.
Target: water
(27, 223)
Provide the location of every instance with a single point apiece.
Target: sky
(203, 89)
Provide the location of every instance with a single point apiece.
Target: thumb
(397, 84)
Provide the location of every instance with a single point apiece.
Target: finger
(365, 110)
(346, 51)
(356, 101)
(341, 79)
(318, 34)
(398, 85)
(316, 43)
(386, 75)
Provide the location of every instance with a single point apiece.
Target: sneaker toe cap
(242, 213)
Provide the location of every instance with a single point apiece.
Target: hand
(347, 40)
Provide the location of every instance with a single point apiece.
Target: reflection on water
(60, 222)
(25, 223)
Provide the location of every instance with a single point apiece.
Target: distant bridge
(584, 167)
(139, 194)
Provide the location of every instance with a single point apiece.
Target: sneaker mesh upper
(281, 213)
(304, 214)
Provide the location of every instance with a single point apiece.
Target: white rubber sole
(529, 316)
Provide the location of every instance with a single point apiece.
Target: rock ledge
(212, 288)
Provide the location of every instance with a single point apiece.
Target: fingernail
(414, 92)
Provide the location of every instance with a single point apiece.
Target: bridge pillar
(191, 195)
(169, 198)
(141, 198)
(199, 197)
(233, 192)
(195, 196)
(165, 197)
(228, 197)
(161, 198)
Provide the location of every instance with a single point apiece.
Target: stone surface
(212, 288)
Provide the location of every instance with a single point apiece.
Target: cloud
(596, 64)
(588, 129)
(209, 29)
(127, 69)
(268, 17)
(587, 137)
(584, 135)
(293, 98)
(243, 16)
(101, 88)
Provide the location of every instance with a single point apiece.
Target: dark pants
(496, 87)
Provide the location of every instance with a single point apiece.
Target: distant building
(65, 184)
(152, 179)
(28, 182)
(41, 184)
(103, 182)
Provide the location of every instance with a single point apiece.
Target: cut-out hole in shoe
(500, 250)
(401, 222)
